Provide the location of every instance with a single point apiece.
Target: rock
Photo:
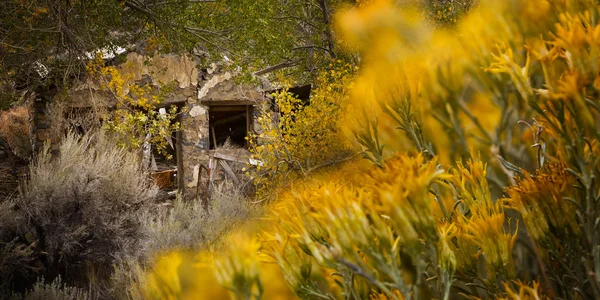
(197, 110)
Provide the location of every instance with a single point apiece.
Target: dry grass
(187, 225)
(183, 226)
(55, 290)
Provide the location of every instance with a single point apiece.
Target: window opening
(229, 122)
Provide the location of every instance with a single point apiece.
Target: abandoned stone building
(216, 109)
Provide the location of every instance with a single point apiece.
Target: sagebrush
(75, 216)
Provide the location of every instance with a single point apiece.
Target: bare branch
(278, 66)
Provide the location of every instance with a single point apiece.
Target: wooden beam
(228, 119)
(179, 158)
(228, 102)
(214, 137)
(236, 108)
(229, 157)
(248, 124)
(167, 103)
(285, 64)
(229, 171)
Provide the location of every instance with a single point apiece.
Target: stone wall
(215, 87)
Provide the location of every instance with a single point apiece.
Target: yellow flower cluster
(547, 200)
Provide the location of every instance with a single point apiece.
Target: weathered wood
(238, 108)
(212, 166)
(168, 102)
(205, 199)
(198, 181)
(207, 189)
(229, 157)
(248, 124)
(285, 64)
(228, 102)
(214, 136)
(230, 119)
(217, 159)
(179, 157)
(229, 171)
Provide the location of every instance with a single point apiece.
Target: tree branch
(276, 67)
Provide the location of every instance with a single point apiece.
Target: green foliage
(297, 34)
(47, 42)
(54, 38)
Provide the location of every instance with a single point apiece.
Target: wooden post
(212, 168)
(206, 191)
(214, 137)
(198, 181)
(179, 157)
(248, 124)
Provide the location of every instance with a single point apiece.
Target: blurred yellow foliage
(473, 130)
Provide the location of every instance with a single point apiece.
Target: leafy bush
(76, 215)
(446, 12)
(300, 138)
(136, 119)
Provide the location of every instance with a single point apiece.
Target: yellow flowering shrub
(136, 118)
(300, 138)
(483, 142)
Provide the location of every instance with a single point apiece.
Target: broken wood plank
(227, 108)
(228, 102)
(214, 137)
(229, 171)
(230, 119)
(282, 65)
(229, 157)
(212, 166)
(248, 124)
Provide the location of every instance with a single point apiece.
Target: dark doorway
(229, 122)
